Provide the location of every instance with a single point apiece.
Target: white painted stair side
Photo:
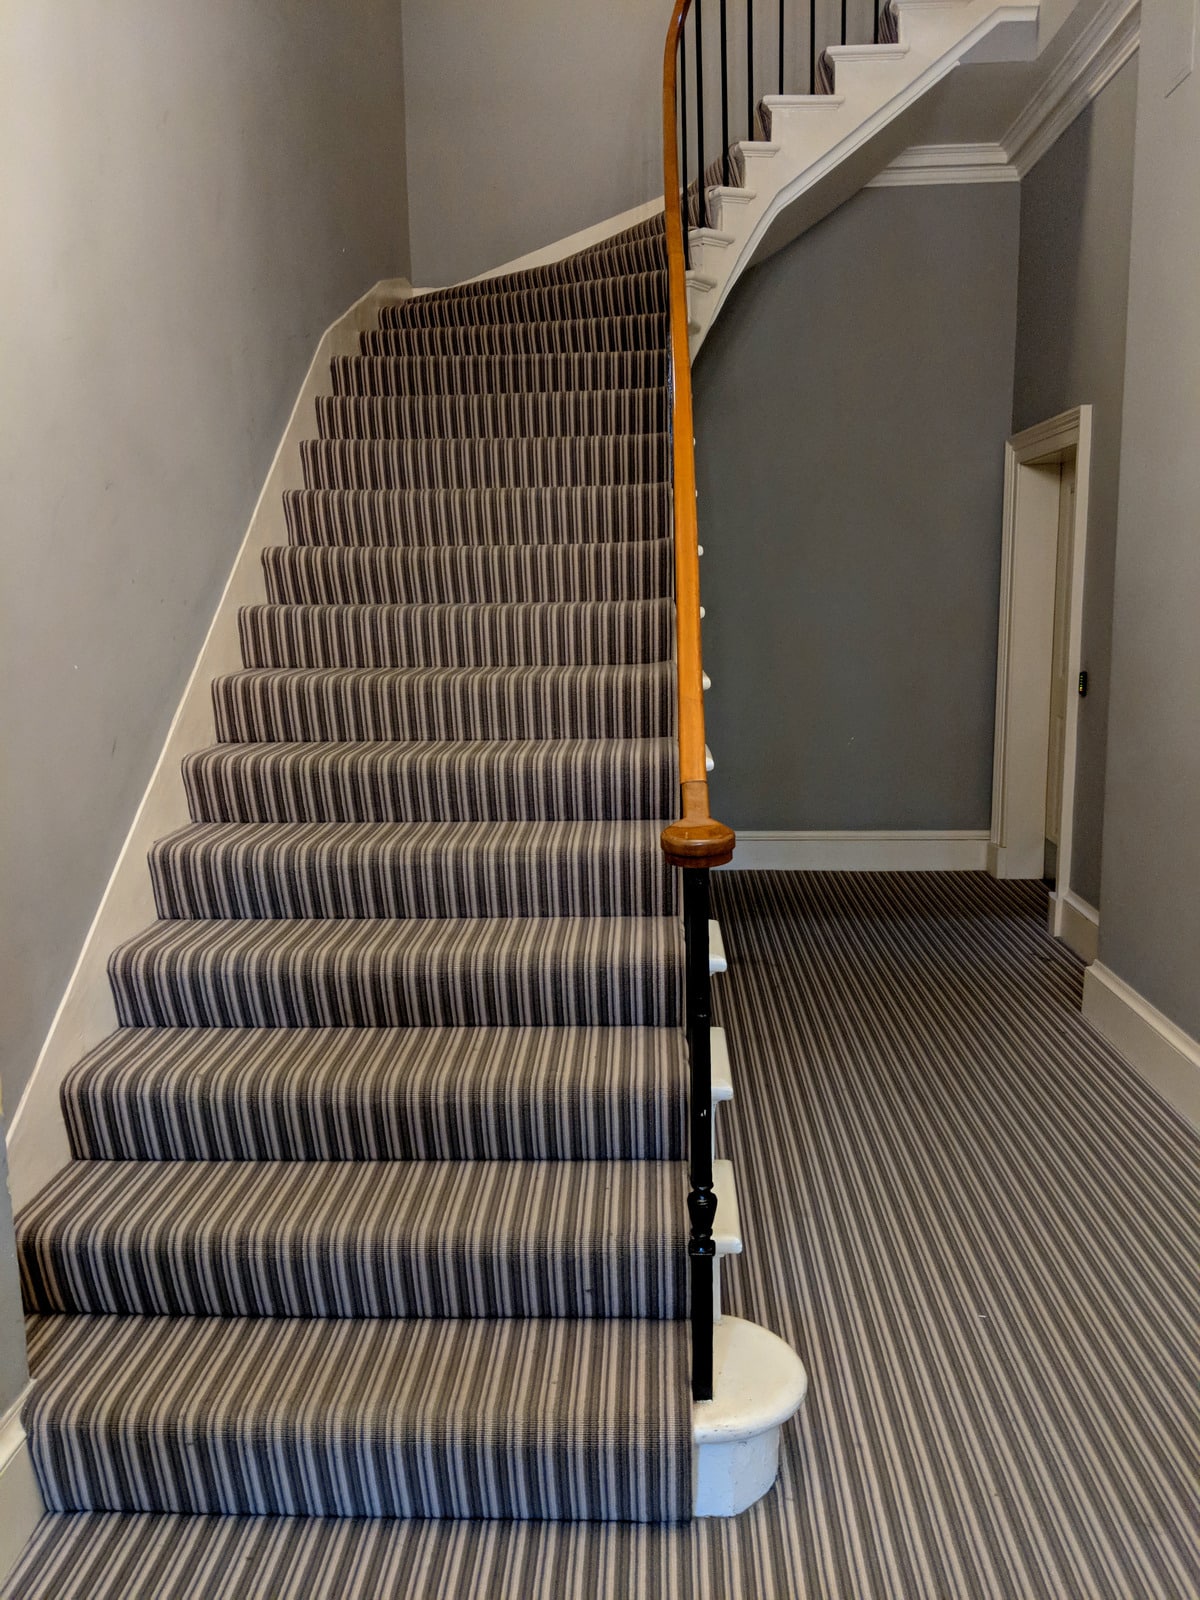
(758, 1383)
(824, 148)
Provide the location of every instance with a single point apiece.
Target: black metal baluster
(843, 21)
(726, 174)
(702, 1201)
(702, 186)
(813, 2)
(683, 193)
(750, 128)
(877, 5)
(812, 46)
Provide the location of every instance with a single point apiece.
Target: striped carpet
(976, 1223)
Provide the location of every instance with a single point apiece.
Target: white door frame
(1029, 551)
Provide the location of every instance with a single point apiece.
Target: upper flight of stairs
(812, 152)
(377, 1205)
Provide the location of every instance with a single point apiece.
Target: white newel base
(758, 1383)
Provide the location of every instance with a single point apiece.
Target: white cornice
(1099, 53)
(1101, 50)
(947, 163)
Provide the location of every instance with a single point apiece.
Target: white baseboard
(21, 1507)
(1076, 923)
(879, 851)
(1166, 1057)
(37, 1138)
(573, 243)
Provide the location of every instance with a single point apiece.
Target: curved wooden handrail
(696, 839)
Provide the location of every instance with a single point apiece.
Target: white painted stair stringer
(824, 148)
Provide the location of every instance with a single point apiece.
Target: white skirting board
(885, 851)
(1076, 923)
(37, 1139)
(21, 1507)
(1166, 1057)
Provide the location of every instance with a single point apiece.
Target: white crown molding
(1099, 53)
(923, 164)
(1101, 50)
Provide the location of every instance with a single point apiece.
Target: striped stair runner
(377, 1205)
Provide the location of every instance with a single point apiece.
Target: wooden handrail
(696, 839)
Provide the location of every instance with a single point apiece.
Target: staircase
(379, 1198)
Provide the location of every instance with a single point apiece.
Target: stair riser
(499, 375)
(274, 883)
(484, 463)
(217, 992)
(634, 258)
(541, 703)
(346, 1095)
(481, 518)
(310, 575)
(394, 785)
(616, 334)
(411, 1241)
(637, 411)
(638, 295)
(436, 636)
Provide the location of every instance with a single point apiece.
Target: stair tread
(531, 971)
(581, 459)
(414, 869)
(323, 1094)
(435, 780)
(585, 413)
(358, 1239)
(466, 375)
(582, 334)
(441, 1418)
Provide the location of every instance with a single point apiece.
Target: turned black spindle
(726, 174)
(701, 183)
(683, 193)
(702, 1200)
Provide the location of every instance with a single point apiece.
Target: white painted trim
(861, 851)
(573, 243)
(1075, 922)
(21, 1507)
(758, 1383)
(924, 164)
(1028, 551)
(1166, 1057)
(37, 1139)
(1108, 41)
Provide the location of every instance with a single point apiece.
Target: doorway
(1039, 666)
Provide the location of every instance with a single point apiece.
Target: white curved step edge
(758, 1383)
(716, 949)
(722, 1073)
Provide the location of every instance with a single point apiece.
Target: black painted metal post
(725, 172)
(702, 1201)
(813, 2)
(812, 46)
(750, 128)
(701, 185)
(843, 21)
(877, 5)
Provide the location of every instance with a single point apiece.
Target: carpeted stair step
(634, 333)
(467, 574)
(413, 869)
(362, 704)
(533, 972)
(452, 781)
(554, 633)
(606, 260)
(573, 412)
(630, 295)
(555, 1419)
(497, 375)
(485, 463)
(380, 1094)
(600, 514)
(358, 1239)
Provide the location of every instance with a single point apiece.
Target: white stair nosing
(720, 1071)
(727, 1226)
(802, 102)
(717, 961)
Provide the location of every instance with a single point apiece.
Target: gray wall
(526, 122)
(1150, 928)
(191, 194)
(852, 405)
(13, 1371)
(1071, 309)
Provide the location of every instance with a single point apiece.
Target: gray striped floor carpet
(976, 1223)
